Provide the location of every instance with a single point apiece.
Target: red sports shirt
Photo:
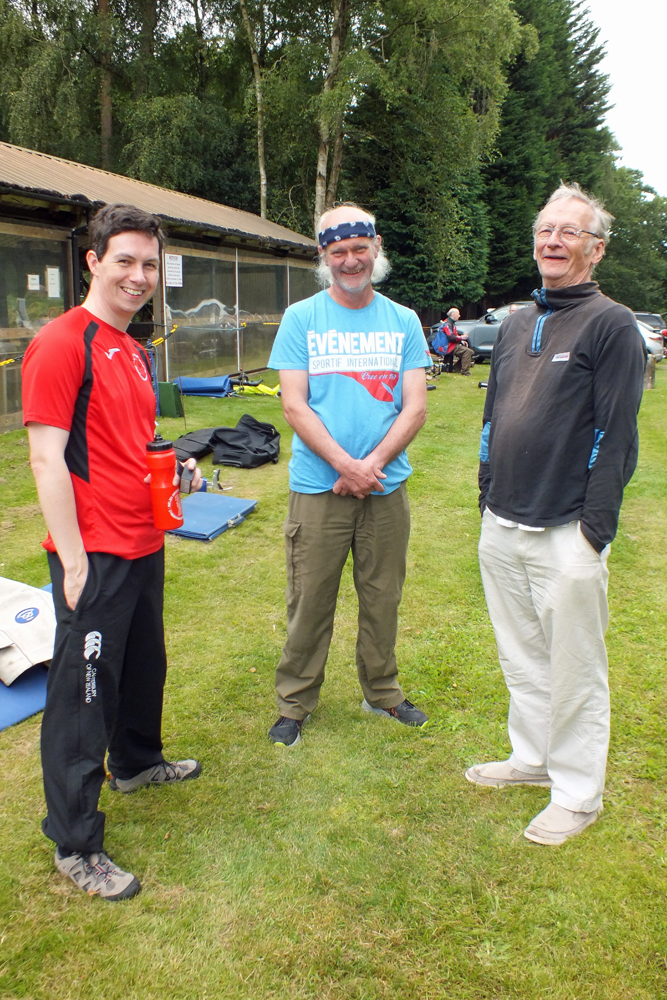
(92, 380)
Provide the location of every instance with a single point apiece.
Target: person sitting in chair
(450, 342)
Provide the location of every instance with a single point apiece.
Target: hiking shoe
(500, 773)
(406, 713)
(97, 875)
(162, 774)
(287, 732)
(555, 824)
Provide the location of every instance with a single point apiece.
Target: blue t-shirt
(355, 359)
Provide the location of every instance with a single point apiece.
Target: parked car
(655, 321)
(652, 339)
(482, 332)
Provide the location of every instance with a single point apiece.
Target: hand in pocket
(74, 582)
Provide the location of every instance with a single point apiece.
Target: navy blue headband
(345, 231)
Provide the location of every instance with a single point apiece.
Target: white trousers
(547, 597)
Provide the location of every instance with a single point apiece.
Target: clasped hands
(361, 477)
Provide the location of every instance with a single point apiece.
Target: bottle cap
(158, 444)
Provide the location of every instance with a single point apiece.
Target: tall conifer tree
(551, 129)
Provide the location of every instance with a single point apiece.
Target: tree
(17, 38)
(145, 22)
(331, 123)
(257, 72)
(190, 145)
(551, 128)
(304, 70)
(634, 268)
(415, 145)
(49, 106)
(106, 101)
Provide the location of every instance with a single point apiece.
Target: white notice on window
(53, 282)
(33, 282)
(173, 270)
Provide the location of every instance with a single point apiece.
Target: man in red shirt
(89, 408)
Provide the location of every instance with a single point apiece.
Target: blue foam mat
(219, 385)
(23, 698)
(207, 515)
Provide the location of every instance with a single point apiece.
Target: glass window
(262, 302)
(33, 277)
(206, 341)
(302, 281)
(204, 311)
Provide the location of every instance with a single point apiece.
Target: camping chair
(438, 344)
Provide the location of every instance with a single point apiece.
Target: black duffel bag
(249, 444)
(194, 444)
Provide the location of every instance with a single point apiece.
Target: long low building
(227, 275)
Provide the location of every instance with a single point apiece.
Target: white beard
(381, 268)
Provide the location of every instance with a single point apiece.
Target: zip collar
(560, 298)
(552, 299)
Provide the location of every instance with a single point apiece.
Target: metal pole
(238, 320)
(163, 304)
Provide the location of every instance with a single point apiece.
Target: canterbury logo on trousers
(92, 646)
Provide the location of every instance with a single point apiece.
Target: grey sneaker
(500, 773)
(406, 712)
(162, 774)
(97, 875)
(287, 732)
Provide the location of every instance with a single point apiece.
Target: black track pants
(105, 689)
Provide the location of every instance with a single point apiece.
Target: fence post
(649, 374)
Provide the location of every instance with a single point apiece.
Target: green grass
(362, 865)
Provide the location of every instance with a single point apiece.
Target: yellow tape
(10, 361)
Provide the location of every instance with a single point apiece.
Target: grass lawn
(360, 865)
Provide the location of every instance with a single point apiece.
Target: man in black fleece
(559, 444)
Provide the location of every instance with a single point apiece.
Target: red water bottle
(161, 462)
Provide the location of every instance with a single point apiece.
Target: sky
(636, 35)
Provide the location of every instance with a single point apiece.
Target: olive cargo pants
(320, 531)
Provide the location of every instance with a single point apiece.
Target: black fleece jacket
(559, 438)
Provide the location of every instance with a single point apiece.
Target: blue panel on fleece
(597, 438)
(484, 442)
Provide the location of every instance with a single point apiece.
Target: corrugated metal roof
(40, 173)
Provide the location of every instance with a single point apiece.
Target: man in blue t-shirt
(351, 366)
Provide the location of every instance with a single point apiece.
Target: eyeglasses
(567, 233)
